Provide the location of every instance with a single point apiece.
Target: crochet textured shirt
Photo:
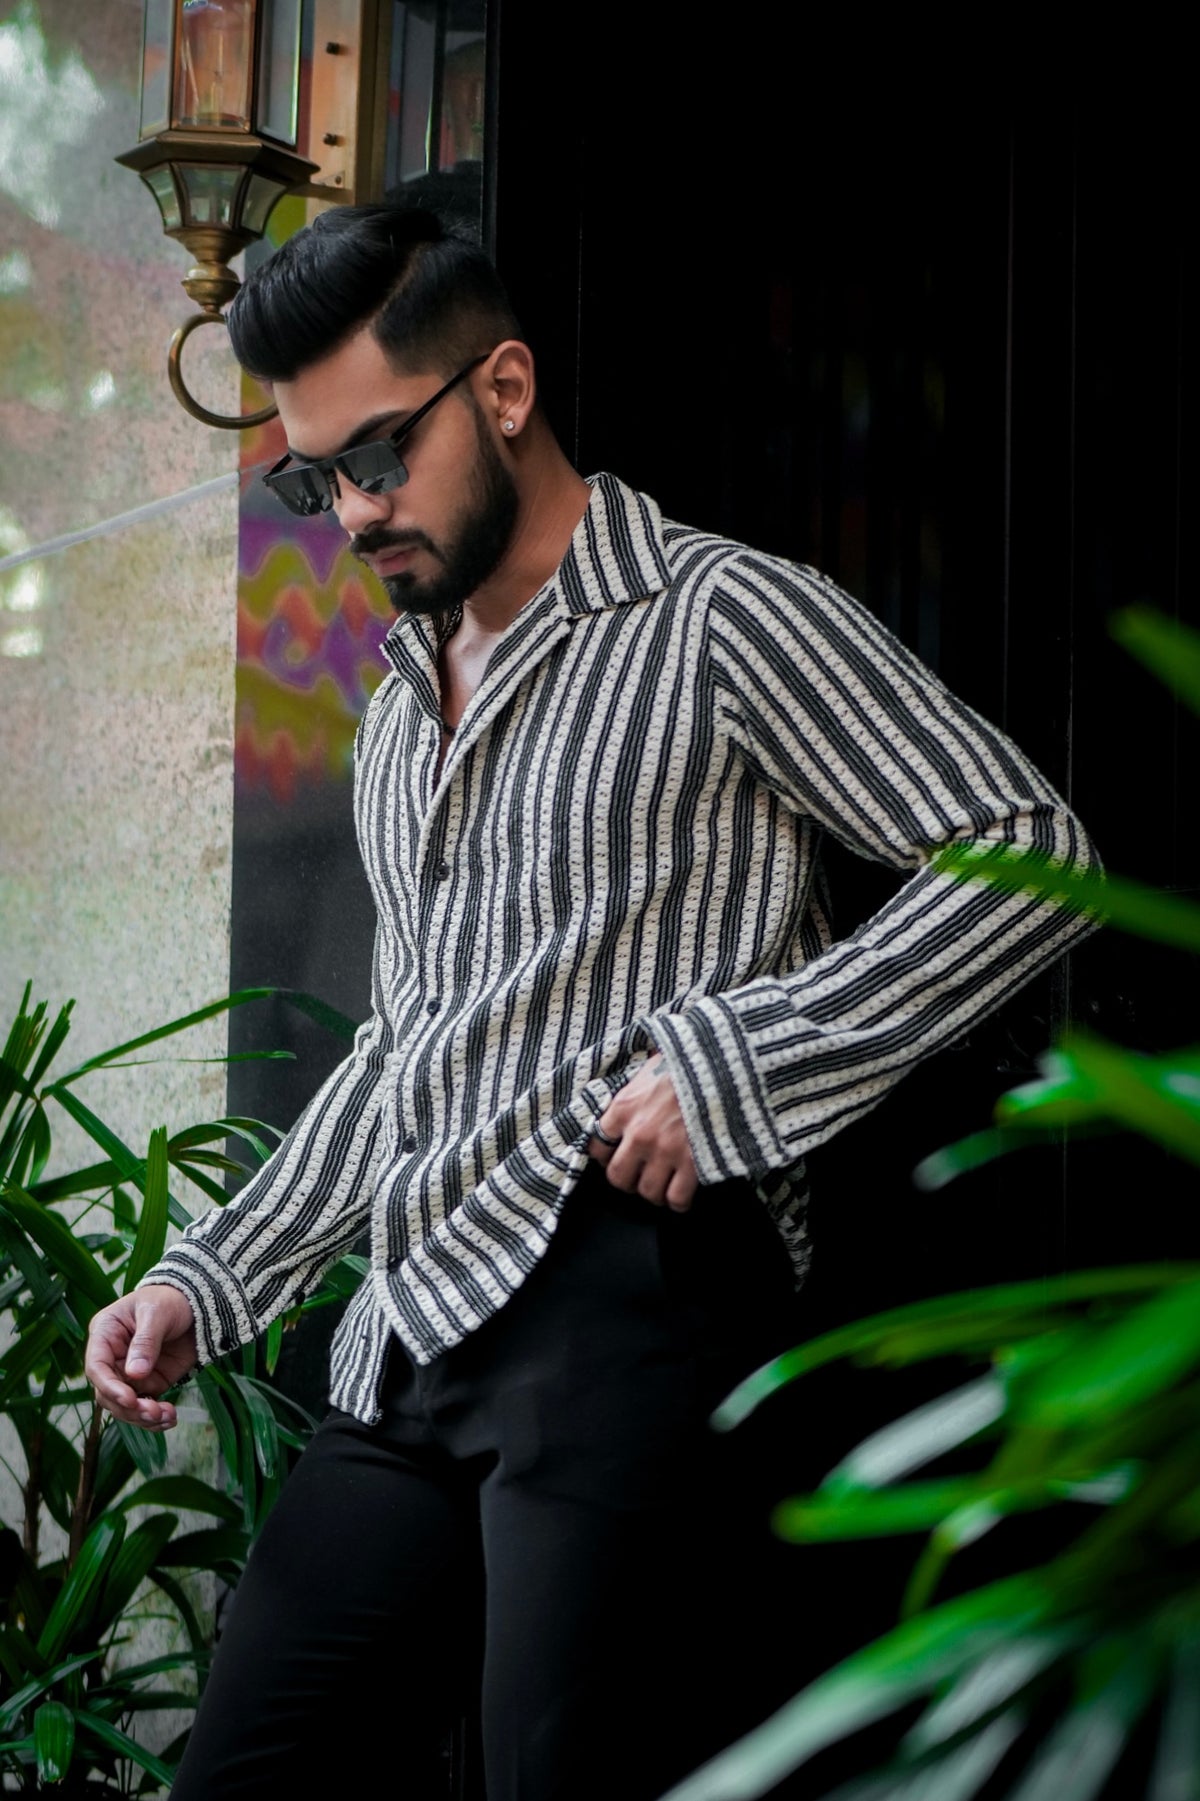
(621, 850)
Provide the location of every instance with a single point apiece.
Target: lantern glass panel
(212, 192)
(161, 184)
(214, 63)
(277, 113)
(261, 194)
(156, 68)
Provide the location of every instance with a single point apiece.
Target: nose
(356, 509)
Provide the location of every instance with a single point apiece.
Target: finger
(653, 1181)
(681, 1190)
(624, 1170)
(134, 1409)
(602, 1144)
(112, 1393)
(145, 1347)
(157, 1416)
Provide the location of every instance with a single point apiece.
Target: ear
(511, 387)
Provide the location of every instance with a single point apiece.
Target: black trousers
(542, 1527)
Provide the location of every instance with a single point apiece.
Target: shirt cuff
(709, 1053)
(221, 1308)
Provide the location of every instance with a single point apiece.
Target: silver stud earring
(509, 425)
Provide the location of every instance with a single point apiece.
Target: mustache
(371, 542)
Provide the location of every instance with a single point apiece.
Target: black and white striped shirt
(620, 850)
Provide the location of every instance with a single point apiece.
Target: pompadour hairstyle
(433, 299)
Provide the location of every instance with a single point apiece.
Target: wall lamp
(233, 93)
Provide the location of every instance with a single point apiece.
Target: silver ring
(612, 1143)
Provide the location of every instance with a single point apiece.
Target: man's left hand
(644, 1146)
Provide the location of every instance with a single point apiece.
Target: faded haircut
(433, 300)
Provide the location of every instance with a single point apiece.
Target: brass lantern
(219, 127)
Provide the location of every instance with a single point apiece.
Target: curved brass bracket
(187, 400)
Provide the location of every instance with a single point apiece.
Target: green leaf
(34, 1148)
(28, 1354)
(182, 1024)
(1176, 1773)
(1141, 1093)
(262, 1425)
(1119, 1367)
(52, 1044)
(274, 1345)
(885, 1336)
(155, 1666)
(255, 1133)
(209, 1160)
(1077, 1759)
(183, 1491)
(72, 1607)
(53, 1740)
(958, 1159)
(114, 1467)
(205, 1184)
(941, 1775)
(124, 1213)
(158, 1699)
(56, 1239)
(1144, 912)
(152, 1226)
(147, 1449)
(57, 1461)
(213, 1133)
(120, 1742)
(993, 1682)
(1171, 651)
(133, 1563)
(345, 1276)
(131, 1168)
(211, 1548)
(16, 1703)
(92, 1179)
(908, 1662)
(918, 1437)
(916, 1507)
(178, 1596)
(340, 1024)
(210, 1393)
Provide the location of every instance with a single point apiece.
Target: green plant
(1030, 1685)
(69, 1244)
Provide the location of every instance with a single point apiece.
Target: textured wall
(116, 653)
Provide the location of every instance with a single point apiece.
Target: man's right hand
(138, 1348)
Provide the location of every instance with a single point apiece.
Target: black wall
(920, 314)
(917, 314)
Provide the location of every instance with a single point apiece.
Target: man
(608, 1021)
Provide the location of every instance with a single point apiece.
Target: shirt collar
(616, 555)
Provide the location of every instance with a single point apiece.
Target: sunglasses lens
(375, 468)
(303, 490)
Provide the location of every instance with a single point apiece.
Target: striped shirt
(621, 852)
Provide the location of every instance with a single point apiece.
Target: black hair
(432, 298)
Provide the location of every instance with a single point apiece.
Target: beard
(466, 560)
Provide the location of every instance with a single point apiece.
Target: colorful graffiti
(310, 623)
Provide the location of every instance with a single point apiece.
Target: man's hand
(138, 1348)
(640, 1138)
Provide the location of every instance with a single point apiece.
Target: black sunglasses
(308, 488)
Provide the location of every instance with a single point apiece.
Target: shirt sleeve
(848, 728)
(243, 1264)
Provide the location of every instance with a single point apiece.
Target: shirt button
(442, 871)
(433, 1005)
(409, 1143)
(393, 1263)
